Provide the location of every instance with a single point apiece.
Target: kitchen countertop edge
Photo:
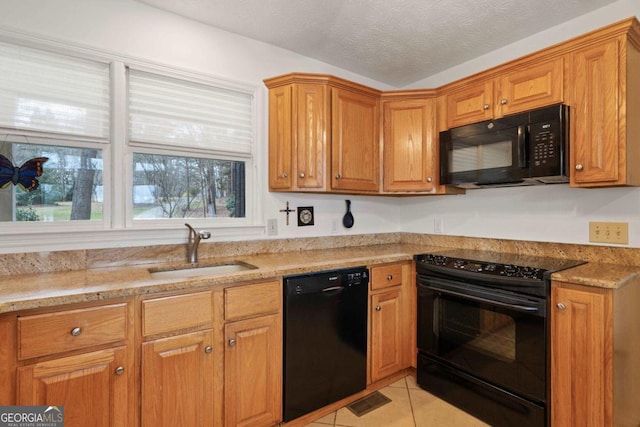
(37, 290)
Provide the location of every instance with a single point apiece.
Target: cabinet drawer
(190, 311)
(386, 275)
(51, 333)
(252, 300)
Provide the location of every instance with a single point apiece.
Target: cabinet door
(471, 104)
(386, 334)
(280, 138)
(355, 142)
(409, 157)
(581, 358)
(177, 381)
(533, 87)
(253, 372)
(312, 110)
(594, 116)
(94, 388)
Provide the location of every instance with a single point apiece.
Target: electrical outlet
(609, 232)
(272, 227)
(334, 226)
(438, 226)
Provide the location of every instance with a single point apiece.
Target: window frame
(118, 228)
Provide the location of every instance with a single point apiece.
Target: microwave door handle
(522, 147)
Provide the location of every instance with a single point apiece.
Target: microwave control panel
(544, 142)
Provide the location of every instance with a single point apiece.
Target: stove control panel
(482, 267)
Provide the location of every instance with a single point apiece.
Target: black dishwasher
(325, 338)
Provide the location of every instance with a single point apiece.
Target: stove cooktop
(488, 263)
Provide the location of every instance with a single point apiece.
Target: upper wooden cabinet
(605, 109)
(355, 143)
(323, 134)
(519, 88)
(409, 160)
(469, 104)
(298, 120)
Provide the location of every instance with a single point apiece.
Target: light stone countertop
(27, 291)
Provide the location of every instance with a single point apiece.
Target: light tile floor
(410, 406)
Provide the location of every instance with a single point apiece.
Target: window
(89, 142)
(186, 187)
(210, 134)
(69, 187)
(63, 101)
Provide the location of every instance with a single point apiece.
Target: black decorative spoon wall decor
(347, 220)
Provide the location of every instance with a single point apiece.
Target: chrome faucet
(192, 244)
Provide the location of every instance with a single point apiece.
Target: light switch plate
(272, 227)
(609, 232)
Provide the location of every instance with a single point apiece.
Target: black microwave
(522, 149)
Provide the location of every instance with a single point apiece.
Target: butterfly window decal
(25, 176)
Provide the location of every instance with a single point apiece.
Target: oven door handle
(518, 307)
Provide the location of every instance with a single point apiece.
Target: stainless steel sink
(200, 270)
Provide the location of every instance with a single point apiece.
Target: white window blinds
(48, 92)
(181, 113)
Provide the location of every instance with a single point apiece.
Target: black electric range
(518, 273)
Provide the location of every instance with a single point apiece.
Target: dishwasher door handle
(335, 289)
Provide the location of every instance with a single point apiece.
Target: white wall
(550, 213)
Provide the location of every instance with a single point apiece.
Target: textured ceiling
(394, 42)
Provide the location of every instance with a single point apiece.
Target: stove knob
(441, 260)
(511, 270)
(529, 272)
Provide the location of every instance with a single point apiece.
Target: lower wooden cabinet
(253, 372)
(177, 377)
(595, 346)
(80, 357)
(253, 354)
(178, 380)
(93, 387)
(391, 320)
(204, 358)
(386, 334)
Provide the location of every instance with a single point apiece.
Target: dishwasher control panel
(356, 278)
(326, 281)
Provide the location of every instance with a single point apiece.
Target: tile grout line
(413, 414)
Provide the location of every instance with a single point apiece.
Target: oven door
(497, 336)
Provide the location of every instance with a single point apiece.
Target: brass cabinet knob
(485, 106)
(284, 175)
(208, 349)
(429, 179)
(119, 370)
(232, 342)
(378, 308)
(301, 174)
(503, 101)
(76, 331)
(338, 176)
(579, 167)
(561, 306)
(389, 277)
